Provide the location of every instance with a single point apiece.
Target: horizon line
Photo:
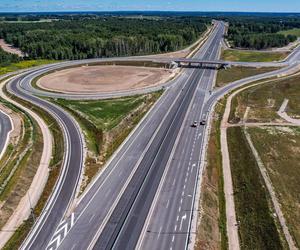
(161, 11)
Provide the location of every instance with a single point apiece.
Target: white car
(195, 124)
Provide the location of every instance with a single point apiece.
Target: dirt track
(103, 79)
(10, 49)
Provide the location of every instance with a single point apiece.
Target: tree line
(7, 58)
(102, 36)
(261, 32)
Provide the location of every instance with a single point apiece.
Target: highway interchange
(146, 197)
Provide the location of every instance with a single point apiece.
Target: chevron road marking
(62, 230)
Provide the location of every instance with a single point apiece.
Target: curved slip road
(60, 201)
(71, 170)
(6, 127)
(155, 135)
(26, 85)
(53, 214)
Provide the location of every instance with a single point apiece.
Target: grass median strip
(105, 124)
(232, 74)
(252, 56)
(257, 227)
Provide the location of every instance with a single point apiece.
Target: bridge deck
(199, 61)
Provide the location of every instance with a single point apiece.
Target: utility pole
(31, 208)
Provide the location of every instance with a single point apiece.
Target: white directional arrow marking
(182, 219)
(199, 135)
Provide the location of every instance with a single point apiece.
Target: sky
(166, 5)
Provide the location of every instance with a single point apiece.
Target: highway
(64, 193)
(146, 194)
(53, 214)
(145, 160)
(5, 128)
(172, 203)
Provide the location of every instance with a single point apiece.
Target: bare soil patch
(88, 79)
(10, 49)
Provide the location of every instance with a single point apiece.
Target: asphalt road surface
(113, 212)
(146, 193)
(44, 233)
(73, 162)
(168, 225)
(5, 128)
(26, 84)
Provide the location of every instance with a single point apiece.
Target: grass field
(104, 114)
(23, 65)
(106, 123)
(211, 232)
(252, 56)
(279, 148)
(257, 228)
(295, 32)
(229, 75)
(265, 100)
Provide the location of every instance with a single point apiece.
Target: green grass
(279, 149)
(104, 114)
(265, 100)
(252, 56)
(105, 124)
(229, 75)
(295, 32)
(24, 65)
(17, 161)
(99, 116)
(257, 228)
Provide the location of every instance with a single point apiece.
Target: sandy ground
(232, 230)
(90, 79)
(10, 49)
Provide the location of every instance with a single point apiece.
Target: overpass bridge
(199, 63)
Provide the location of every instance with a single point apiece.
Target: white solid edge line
(8, 134)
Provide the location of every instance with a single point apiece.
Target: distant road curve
(27, 86)
(21, 87)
